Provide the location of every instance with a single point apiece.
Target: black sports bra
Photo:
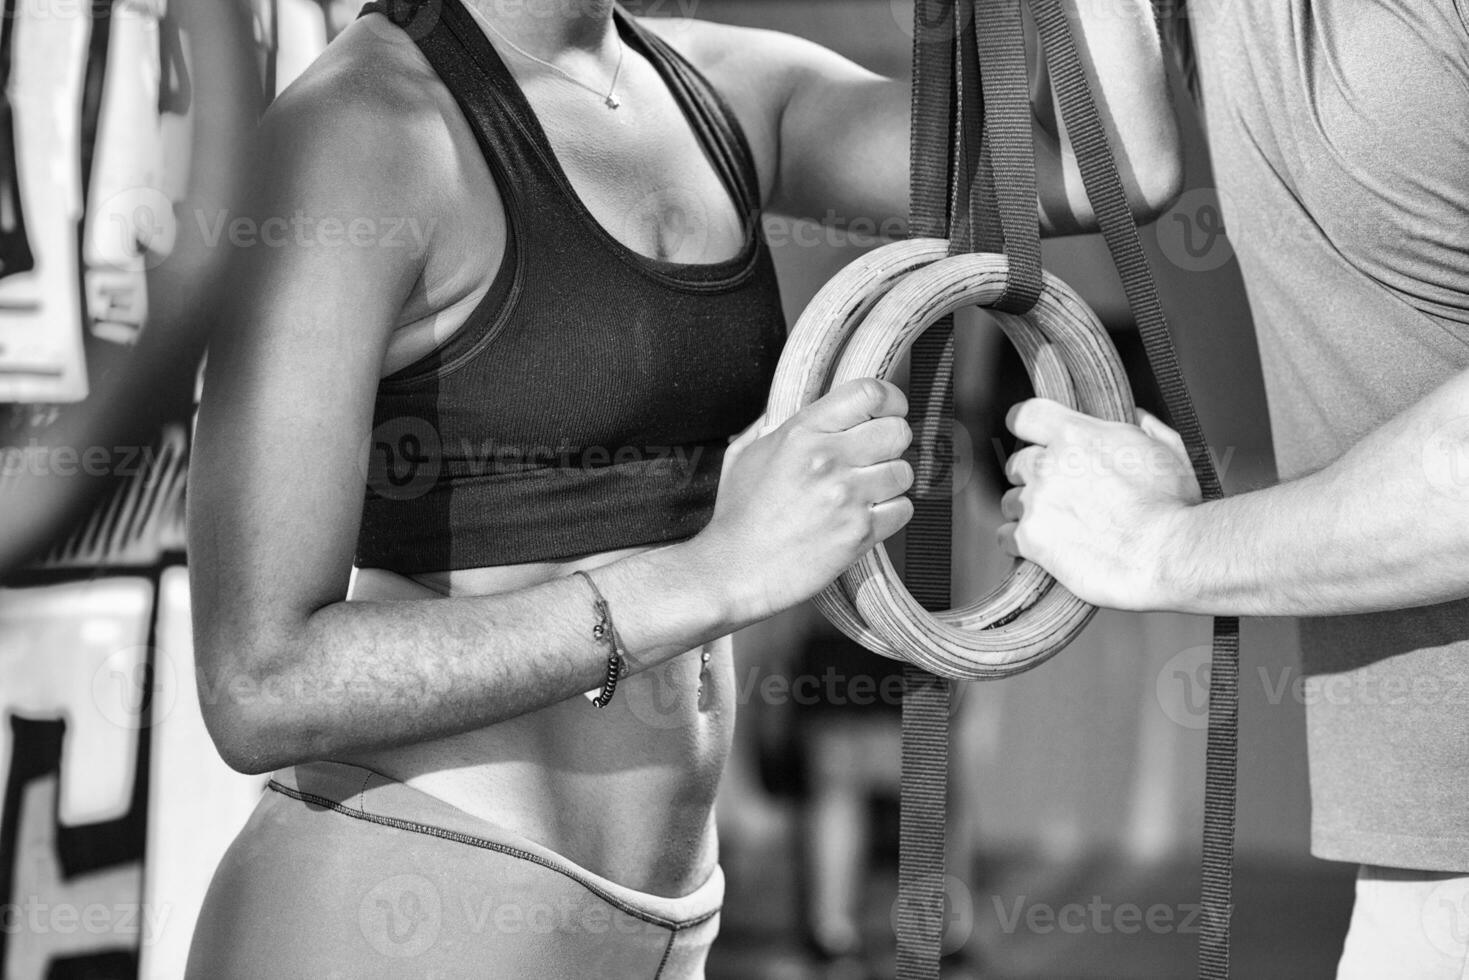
(587, 402)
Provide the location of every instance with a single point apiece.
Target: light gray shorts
(342, 872)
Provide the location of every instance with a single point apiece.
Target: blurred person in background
(504, 260)
(1339, 133)
(830, 743)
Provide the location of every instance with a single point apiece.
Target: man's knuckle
(904, 435)
(892, 483)
(1071, 431)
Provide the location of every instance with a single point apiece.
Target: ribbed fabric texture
(936, 161)
(587, 402)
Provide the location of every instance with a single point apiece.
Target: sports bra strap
(715, 125)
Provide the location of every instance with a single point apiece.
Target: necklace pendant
(612, 101)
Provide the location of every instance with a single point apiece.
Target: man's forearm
(1386, 526)
(368, 675)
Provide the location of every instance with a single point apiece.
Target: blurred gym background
(1076, 788)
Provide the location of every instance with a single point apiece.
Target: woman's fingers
(876, 441)
(889, 517)
(852, 403)
(883, 481)
(752, 432)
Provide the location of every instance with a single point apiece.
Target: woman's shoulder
(371, 81)
(370, 107)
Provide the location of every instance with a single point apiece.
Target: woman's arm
(843, 131)
(289, 670)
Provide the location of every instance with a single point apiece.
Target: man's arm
(289, 669)
(842, 132)
(1111, 510)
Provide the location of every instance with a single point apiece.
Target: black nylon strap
(923, 823)
(923, 793)
(994, 203)
(991, 200)
(972, 226)
(1010, 151)
(929, 539)
(932, 118)
(934, 150)
(1221, 758)
(1109, 201)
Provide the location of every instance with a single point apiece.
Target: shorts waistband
(367, 795)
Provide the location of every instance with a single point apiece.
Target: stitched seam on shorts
(362, 793)
(429, 830)
(667, 952)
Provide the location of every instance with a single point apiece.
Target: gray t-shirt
(1339, 131)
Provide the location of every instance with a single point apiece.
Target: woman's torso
(626, 791)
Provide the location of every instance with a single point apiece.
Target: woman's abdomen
(626, 791)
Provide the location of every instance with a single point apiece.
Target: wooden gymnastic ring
(859, 325)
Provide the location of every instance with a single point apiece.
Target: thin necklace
(610, 98)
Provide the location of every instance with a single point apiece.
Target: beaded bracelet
(604, 632)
